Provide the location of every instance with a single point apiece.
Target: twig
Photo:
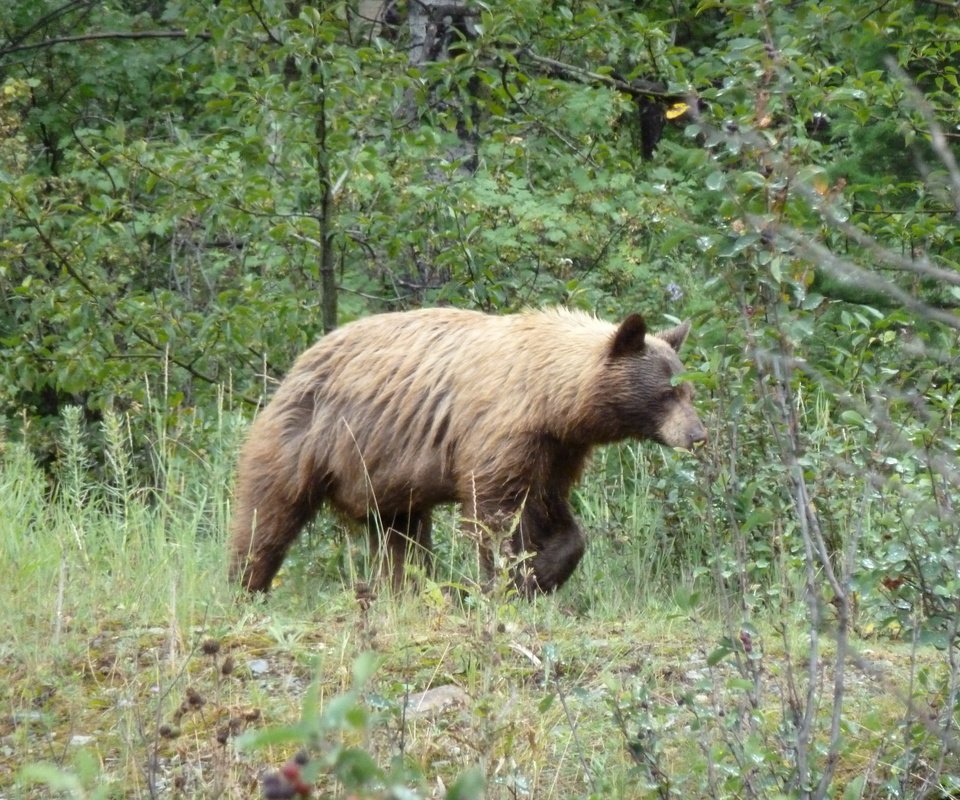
(576, 738)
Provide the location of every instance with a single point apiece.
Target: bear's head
(644, 398)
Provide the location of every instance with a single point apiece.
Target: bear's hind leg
(269, 513)
(406, 535)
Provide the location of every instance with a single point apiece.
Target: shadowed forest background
(191, 193)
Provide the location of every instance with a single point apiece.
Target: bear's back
(404, 407)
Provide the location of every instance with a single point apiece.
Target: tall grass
(91, 544)
(89, 549)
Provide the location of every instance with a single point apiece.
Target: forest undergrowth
(131, 668)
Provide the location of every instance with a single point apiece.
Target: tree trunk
(435, 26)
(328, 282)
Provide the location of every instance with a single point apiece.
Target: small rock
(258, 666)
(436, 701)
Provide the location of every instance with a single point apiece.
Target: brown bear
(393, 414)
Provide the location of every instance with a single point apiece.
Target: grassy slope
(111, 604)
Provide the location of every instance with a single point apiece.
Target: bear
(396, 413)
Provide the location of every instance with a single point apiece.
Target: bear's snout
(697, 434)
(681, 427)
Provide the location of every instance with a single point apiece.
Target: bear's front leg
(549, 530)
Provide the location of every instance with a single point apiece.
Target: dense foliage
(172, 202)
(193, 192)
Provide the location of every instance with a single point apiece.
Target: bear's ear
(675, 336)
(629, 336)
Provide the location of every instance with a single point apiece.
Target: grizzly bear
(396, 413)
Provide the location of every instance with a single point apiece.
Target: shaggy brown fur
(394, 414)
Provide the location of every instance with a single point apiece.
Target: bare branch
(847, 270)
(637, 88)
(73, 5)
(937, 138)
(263, 24)
(103, 35)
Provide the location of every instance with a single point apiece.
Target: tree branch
(635, 88)
(89, 37)
(73, 5)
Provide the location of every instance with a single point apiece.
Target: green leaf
(734, 245)
(852, 417)
(757, 519)
(363, 668)
(718, 655)
(716, 181)
(356, 768)
(743, 43)
(686, 600)
(812, 301)
(269, 737)
(469, 786)
(854, 788)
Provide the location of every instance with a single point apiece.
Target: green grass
(116, 599)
